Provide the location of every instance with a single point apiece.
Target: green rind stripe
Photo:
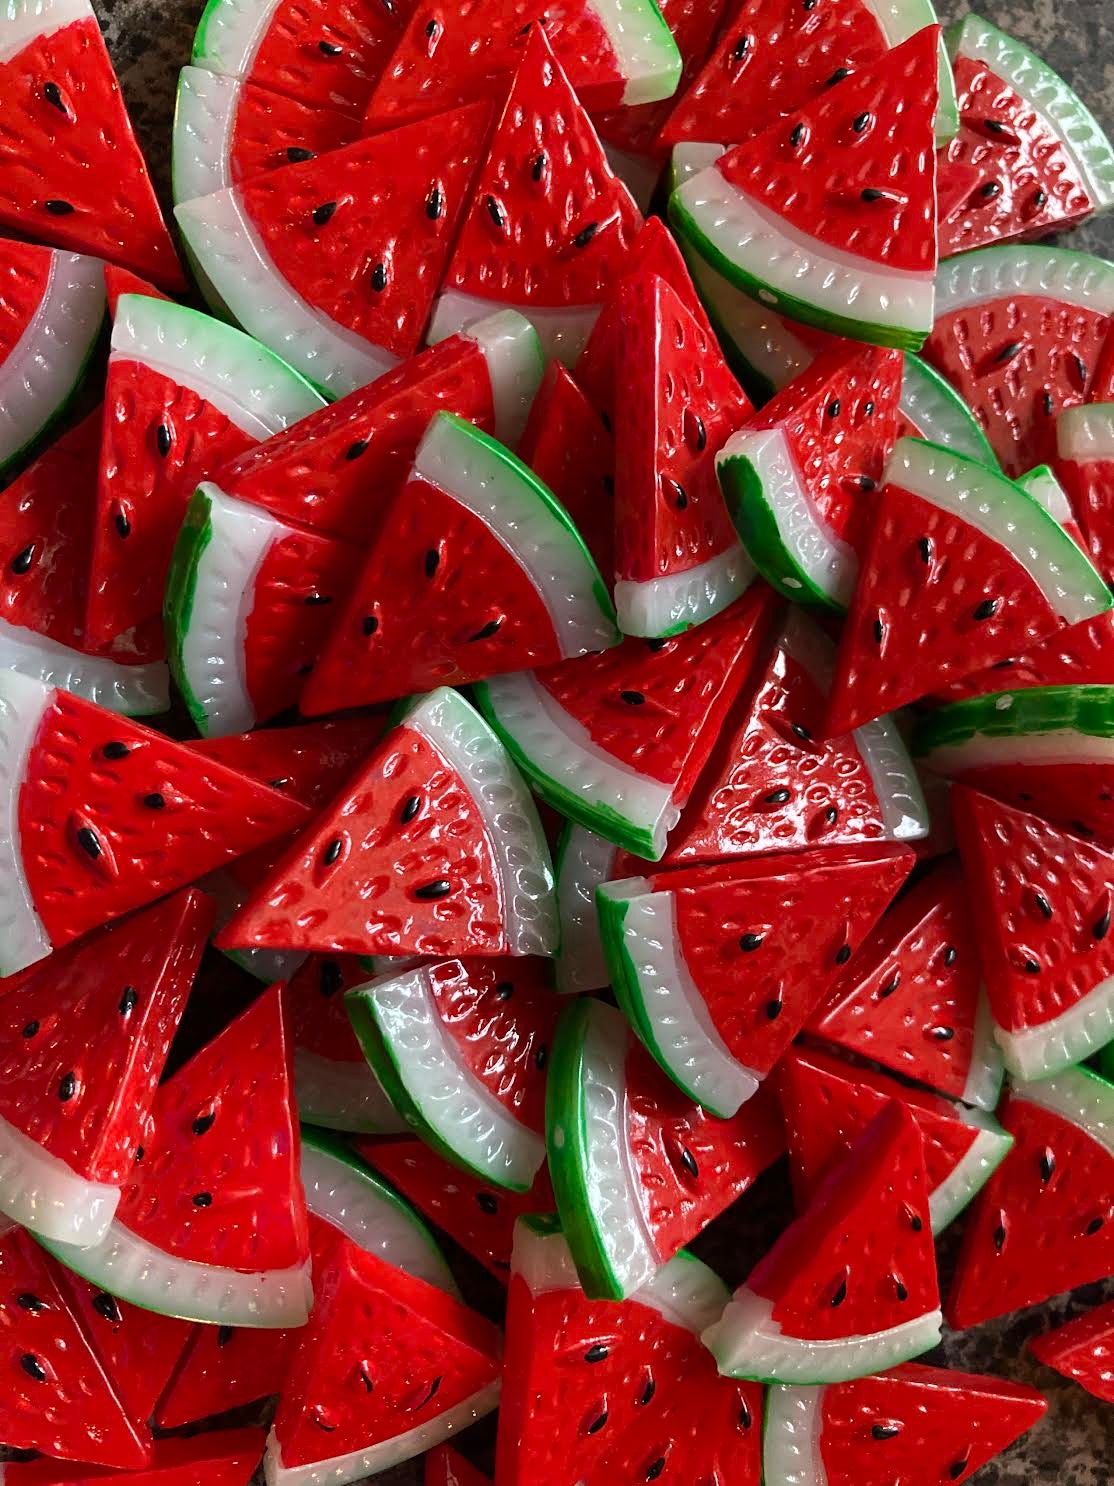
(967, 438)
(181, 592)
(1043, 709)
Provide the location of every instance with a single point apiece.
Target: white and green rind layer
(204, 116)
(23, 703)
(1048, 95)
(939, 414)
(418, 1062)
(792, 1427)
(571, 772)
(229, 33)
(45, 1195)
(659, 607)
(26, 20)
(1041, 725)
(526, 518)
(1047, 491)
(135, 691)
(562, 332)
(988, 1150)
(583, 861)
(1086, 433)
(43, 369)
(971, 280)
(1082, 1098)
(515, 363)
(647, 55)
(1050, 1047)
(748, 1343)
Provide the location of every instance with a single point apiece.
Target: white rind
(661, 606)
(134, 691)
(644, 49)
(585, 861)
(229, 35)
(1086, 432)
(343, 1096)
(1051, 1046)
(987, 1151)
(23, 704)
(469, 747)
(21, 21)
(748, 1343)
(938, 413)
(45, 364)
(1049, 494)
(45, 1195)
(983, 750)
(562, 332)
(1027, 269)
(239, 269)
(463, 1114)
(1083, 1099)
(515, 364)
(984, 1081)
(204, 116)
(905, 815)
(794, 1423)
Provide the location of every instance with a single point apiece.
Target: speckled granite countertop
(1074, 1444)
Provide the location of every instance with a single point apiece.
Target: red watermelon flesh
(227, 1458)
(479, 1217)
(1080, 655)
(309, 762)
(548, 223)
(444, 1467)
(1044, 1222)
(314, 1004)
(910, 998)
(270, 131)
(86, 1039)
(119, 281)
(431, 1356)
(55, 1395)
(939, 1426)
(27, 271)
(363, 234)
(1082, 1349)
(113, 815)
(771, 59)
(73, 175)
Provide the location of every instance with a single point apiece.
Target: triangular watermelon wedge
(597, 1391)
(85, 1039)
(926, 1424)
(222, 1159)
(434, 848)
(1043, 1223)
(72, 174)
(334, 262)
(1085, 464)
(347, 1411)
(616, 741)
(912, 999)
(445, 1467)
(110, 817)
(637, 1168)
(794, 476)
(225, 1458)
(53, 312)
(850, 1287)
(1081, 1350)
(548, 227)
(916, 620)
(829, 216)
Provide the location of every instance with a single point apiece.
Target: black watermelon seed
(740, 49)
(999, 1235)
(1004, 665)
(924, 547)
(154, 801)
(951, 954)
(329, 48)
(585, 235)
(831, 815)
(496, 213)
(866, 484)
(435, 203)
(541, 1057)
(1093, 1227)
(355, 450)
(224, 1335)
(122, 524)
(1031, 966)
(596, 1352)
(139, 1153)
(58, 208)
(53, 95)
(105, 1305)
(432, 562)
(835, 407)
(322, 1419)
(989, 190)
(609, 484)
(1043, 905)
(329, 979)
(957, 1467)
(440, 887)
(632, 698)
(746, 1418)
(332, 851)
(30, 1029)
(33, 1367)
(943, 1034)
(115, 750)
(891, 986)
(871, 194)
(840, 1294)
(696, 435)
(67, 1087)
(655, 1468)
(656, 645)
(324, 212)
(868, 409)
(537, 169)
(1101, 927)
(843, 954)
(204, 1122)
(809, 4)
(879, 631)
(688, 1161)
(1081, 828)
(410, 807)
(1049, 404)
(1047, 1164)
(597, 1424)
(431, 29)
(899, 1289)
(128, 1001)
(504, 989)
(369, 624)
(1038, 198)
(647, 1393)
(296, 155)
(202, 1199)
(774, 1009)
(860, 122)
(885, 1431)
(379, 277)
(838, 76)
(1080, 368)
(751, 941)
(1008, 351)
(492, 627)
(680, 498)
(987, 609)
(915, 1220)
(487, 1203)
(163, 440)
(797, 135)
(801, 732)
(21, 562)
(28, 1302)
(777, 797)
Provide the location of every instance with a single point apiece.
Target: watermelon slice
(85, 1041)
(827, 1103)
(72, 174)
(1018, 333)
(461, 868)
(475, 570)
(227, 1458)
(1037, 1228)
(248, 604)
(719, 967)
(677, 558)
(828, 218)
(1042, 904)
(912, 998)
(53, 309)
(1083, 1350)
(926, 1424)
(106, 816)
(582, 861)
(915, 620)
(212, 1226)
(794, 476)
(549, 226)
(616, 741)
(432, 1369)
(850, 1286)
(1085, 464)
(1041, 160)
(637, 1168)
(444, 1467)
(461, 1046)
(55, 1395)
(594, 1391)
(184, 394)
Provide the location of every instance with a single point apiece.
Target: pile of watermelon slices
(556, 749)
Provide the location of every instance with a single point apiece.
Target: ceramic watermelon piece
(916, 621)
(434, 1369)
(616, 741)
(595, 1391)
(637, 1168)
(548, 226)
(581, 863)
(85, 1041)
(1085, 464)
(911, 1000)
(931, 409)
(53, 312)
(445, 1467)
(73, 175)
(927, 1423)
(1083, 1350)
(227, 1458)
(1043, 1223)
(850, 1286)
(794, 475)
(719, 967)
(56, 1396)
(1018, 333)
(827, 222)
(462, 867)
(1041, 159)
(827, 1103)
(222, 1158)
(476, 1091)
